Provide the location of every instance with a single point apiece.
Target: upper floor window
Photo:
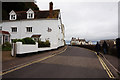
(30, 14)
(14, 29)
(13, 15)
(28, 29)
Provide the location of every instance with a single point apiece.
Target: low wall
(19, 48)
(26, 48)
(111, 50)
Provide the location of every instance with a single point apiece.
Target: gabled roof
(30, 11)
(12, 12)
(22, 15)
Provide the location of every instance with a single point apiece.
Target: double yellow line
(28, 64)
(105, 67)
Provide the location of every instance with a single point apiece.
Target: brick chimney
(51, 9)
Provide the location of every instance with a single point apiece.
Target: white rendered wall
(23, 48)
(40, 26)
(29, 48)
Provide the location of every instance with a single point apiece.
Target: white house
(44, 25)
(75, 41)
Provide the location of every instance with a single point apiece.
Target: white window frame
(13, 30)
(13, 15)
(30, 14)
(29, 29)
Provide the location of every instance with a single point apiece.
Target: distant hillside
(17, 6)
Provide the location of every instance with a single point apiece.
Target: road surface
(74, 62)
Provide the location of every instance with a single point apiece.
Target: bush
(26, 40)
(6, 46)
(18, 40)
(47, 43)
(43, 44)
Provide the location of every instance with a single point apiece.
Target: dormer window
(30, 14)
(13, 15)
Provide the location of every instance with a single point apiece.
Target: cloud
(89, 20)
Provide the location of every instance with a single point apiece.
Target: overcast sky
(93, 20)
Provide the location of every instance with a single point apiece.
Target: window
(30, 14)
(28, 29)
(59, 27)
(14, 29)
(13, 17)
(49, 29)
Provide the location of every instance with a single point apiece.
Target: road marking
(28, 64)
(105, 67)
(108, 62)
(111, 64)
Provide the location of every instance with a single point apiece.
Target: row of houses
(77, 41)
(39, 25)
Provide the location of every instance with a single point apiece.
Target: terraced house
(40, 25)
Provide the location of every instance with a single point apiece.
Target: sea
(93, 42)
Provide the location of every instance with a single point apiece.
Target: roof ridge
(36, 11)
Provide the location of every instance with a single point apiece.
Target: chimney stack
(51, 9)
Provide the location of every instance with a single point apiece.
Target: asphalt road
(73, 63)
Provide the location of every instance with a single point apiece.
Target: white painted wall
(28, 48)
(40, 26)
(23, 48)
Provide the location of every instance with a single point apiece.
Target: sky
(89, 19)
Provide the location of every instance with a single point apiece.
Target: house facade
(39, 25)
(75, 41)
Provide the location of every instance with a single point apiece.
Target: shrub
(47, 43)
(18, 40)
(28, 40)
(6, 46)
(44, 44)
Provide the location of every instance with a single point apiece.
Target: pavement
(72, 62)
